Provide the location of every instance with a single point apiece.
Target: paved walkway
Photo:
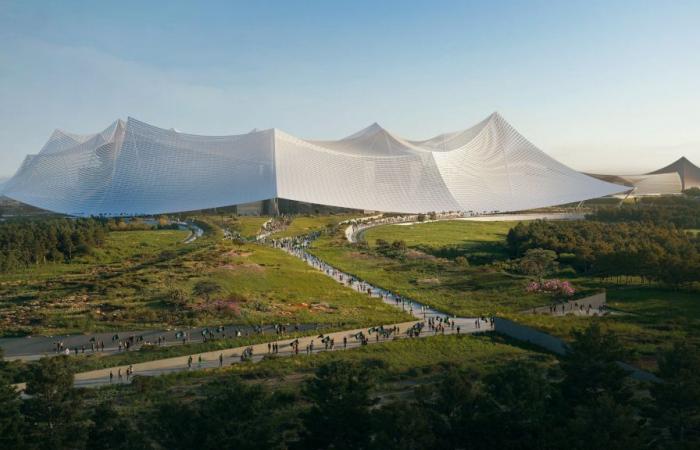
(343, 340)
(353, 233)
(211, 360)
(31, 348)
(430, 321)
(195, 231)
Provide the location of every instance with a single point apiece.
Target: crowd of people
(576, 308)
(121, 377)
(134, 341)
(297, 246)
(434, 320)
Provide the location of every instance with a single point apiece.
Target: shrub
(554, 286)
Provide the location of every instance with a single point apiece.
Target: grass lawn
(247, 226)
(408, 358)
(646, 317)
(83, 295)
(270, 286)
(127, 284)
(439, 282)
(448, 238)
(306, 224)
(402, 366)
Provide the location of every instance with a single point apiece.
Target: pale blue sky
(607, 86)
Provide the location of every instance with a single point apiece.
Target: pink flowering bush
(556, 287)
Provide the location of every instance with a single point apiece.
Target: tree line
(681, 211)
(652, 252)
(584, 402)
(24, 243)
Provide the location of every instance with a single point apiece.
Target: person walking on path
(221, 359)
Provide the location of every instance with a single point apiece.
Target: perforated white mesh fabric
(656, 184)
(135, 168)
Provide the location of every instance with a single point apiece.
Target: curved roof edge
(134, 168)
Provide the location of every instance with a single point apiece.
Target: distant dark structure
(686, 170)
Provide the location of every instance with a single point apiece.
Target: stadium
(133, 168)
(670, 180)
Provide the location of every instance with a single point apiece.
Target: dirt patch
(431, 281)
(415, 254)
(322, 307)
(238, 254)
(359, 255)
(252, 267)
(316, 307)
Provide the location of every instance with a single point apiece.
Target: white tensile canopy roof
(132, 168)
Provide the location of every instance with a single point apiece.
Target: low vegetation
(151, 279)
(646, 313)
(681, 211)
(466, 285)
(645, 251)
(407, 394)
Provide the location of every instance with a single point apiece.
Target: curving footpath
(343, 340)
(353, 232)
(429, 322)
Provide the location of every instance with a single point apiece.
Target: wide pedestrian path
(428, 322)
(342, 340)
(31, 348)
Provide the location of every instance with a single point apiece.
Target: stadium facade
(132, 168)
(672, 179)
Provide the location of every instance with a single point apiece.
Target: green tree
(11, 419)
(591, 367)
(462, 261)
(177, 297)
(602, 424)
(677, 398)
(520, 400)
(454, 410)
(402, 425)
(54, 409)
(111, 431)
(538, 262)
(233, 415)
(339, 417)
